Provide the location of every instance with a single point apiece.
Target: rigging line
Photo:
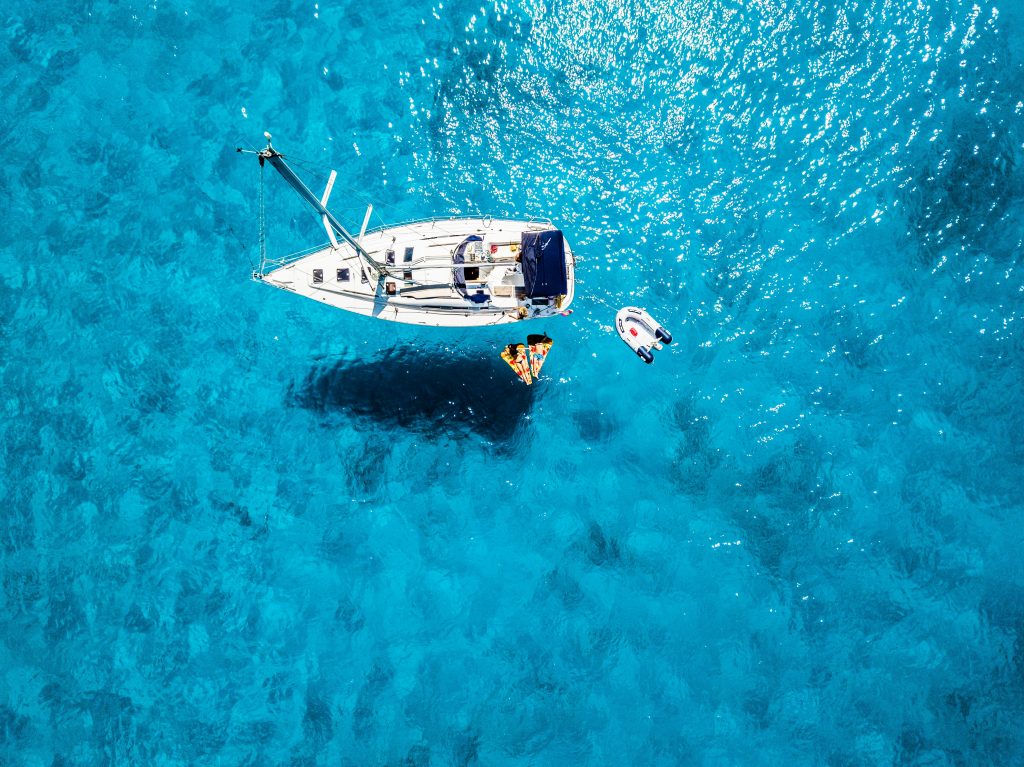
(316, 172)
(263, 226)
(242, 246)
(240, 140)
(437, 224)
(435, 221)
(390, 270)
(277, 159)
(245, 248)
(356, 192)
(306, 165)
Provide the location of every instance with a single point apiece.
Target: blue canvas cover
(459, 271)
(543, 259)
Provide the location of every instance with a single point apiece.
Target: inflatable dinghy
(641, 332)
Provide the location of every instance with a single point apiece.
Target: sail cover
(543, 258)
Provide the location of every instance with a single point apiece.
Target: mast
(276, 159)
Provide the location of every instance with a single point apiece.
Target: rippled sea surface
(240, 528)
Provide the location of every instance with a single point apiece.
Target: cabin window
(318, 275)
(408, 255)
(407, 276)
(343, 275)
(391, 288)
(389, 257)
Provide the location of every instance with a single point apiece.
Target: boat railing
(487, 219)
(276, 263)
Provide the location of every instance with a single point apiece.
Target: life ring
(641, 332)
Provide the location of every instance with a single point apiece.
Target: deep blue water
(240, 528)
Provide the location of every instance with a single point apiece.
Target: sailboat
(448, 272)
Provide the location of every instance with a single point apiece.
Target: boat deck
(420, 287)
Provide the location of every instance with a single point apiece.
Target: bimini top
(543, 260)
(459, 261)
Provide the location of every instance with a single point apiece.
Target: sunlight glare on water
(241, 528)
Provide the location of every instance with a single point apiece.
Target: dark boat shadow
(432, 391)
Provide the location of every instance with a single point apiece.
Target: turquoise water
(239, 528)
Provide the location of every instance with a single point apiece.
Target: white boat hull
(422, 288)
